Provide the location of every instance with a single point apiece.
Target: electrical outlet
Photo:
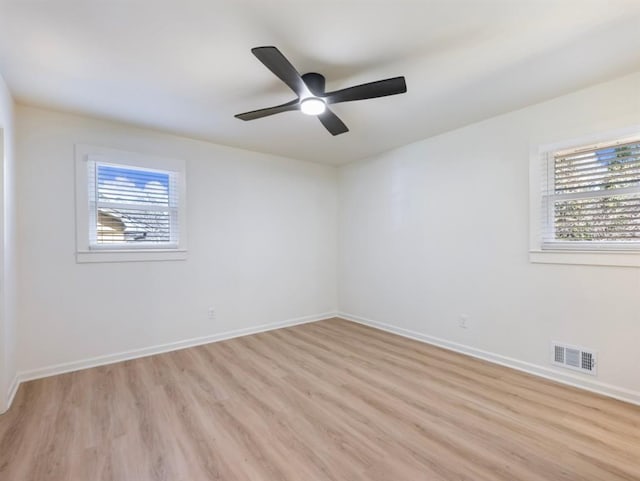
(463, 321)
(211, 314)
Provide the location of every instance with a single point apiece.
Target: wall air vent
(573, 357)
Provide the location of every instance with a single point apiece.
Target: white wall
(439, 228)
(7, 248)
(261, 233)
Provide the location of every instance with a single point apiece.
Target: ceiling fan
(311, 96)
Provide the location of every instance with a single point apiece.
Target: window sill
(130, 255)
(589, 258)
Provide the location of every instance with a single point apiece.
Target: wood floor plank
(496, 394)
(329, 401)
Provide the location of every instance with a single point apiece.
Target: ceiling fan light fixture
(312, 106)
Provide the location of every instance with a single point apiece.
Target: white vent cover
(573, 357)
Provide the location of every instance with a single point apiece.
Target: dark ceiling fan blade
(258, 114)
(332, 123)
(381, 88)
(273, 59)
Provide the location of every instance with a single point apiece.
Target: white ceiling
(186, 67)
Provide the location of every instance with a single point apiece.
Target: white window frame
(566, 253)
(85, 251)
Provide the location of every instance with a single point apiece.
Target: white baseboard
(570, 379)
(13, 389)
(542, 371)
(158, 349)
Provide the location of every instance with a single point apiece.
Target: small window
(591, 197)
(130, 206)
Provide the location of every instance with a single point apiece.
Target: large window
(591, 197)
(130, 206)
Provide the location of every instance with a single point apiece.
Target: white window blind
(132, 207)
(591, 197)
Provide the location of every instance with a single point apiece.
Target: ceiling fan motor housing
(315, 82)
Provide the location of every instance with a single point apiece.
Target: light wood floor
(325, 401)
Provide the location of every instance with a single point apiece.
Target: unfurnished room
(384, 240)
